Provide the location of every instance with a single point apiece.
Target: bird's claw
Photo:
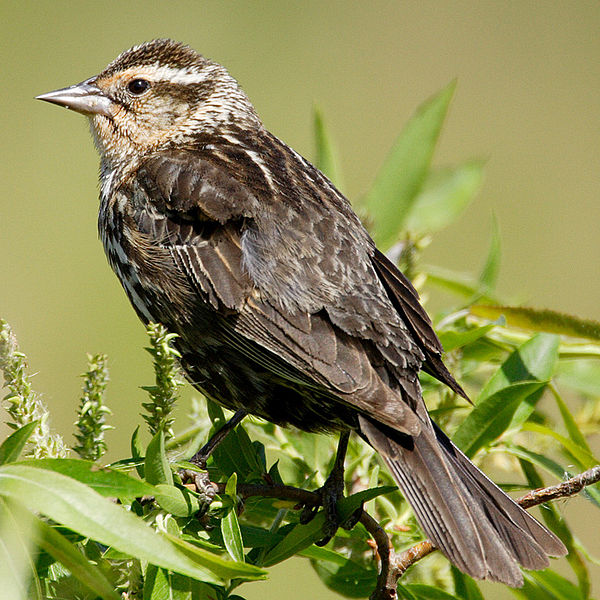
(331, 492)
(204, 487)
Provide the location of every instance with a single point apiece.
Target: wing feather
(294, 276)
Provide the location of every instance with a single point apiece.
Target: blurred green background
(527, 101)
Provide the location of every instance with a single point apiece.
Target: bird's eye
(138, 86)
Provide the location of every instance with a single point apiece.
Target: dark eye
(138, 86)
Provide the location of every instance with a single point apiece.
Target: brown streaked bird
(283, 305)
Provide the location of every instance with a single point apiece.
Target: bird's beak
(85, 97)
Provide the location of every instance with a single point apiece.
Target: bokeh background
(527, 101)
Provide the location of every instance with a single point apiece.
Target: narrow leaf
(226, 569)
(428, 592)
(349, 579)
(534, 360)
(83, 510)
(555, 585)
(491, 268)
(13, 445)
(17, 569)
(458, 339)
(393, 193)
(177, 501)
(570, 424)
(536, 319)
(230, 528)
(445, 194)
(584, 458)
(156, 464)
(510, 395)
(137, 452)
(465, 587)
(460, 284)
(491, 417)
(156, 584)
(323, 554)
(62, 550)
(326, 155)
(104, 480)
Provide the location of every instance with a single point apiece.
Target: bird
(283, 306)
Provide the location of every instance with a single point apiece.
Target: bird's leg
(201, 478)
(331, 492)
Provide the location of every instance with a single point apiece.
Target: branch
(562, 490)
(393, 566)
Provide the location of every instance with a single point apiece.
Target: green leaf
(156, 464)
(302, 536)
(459, 339)
(137, 451)
(580, 375)
(175, 500)
(62, 550)
(160, 584)
(236, 453)
(491, 268)
(230, 528)
(86, 512)
(510, 395)
(349, 579)
(104, 480)
(314, 450)
(17, 569)
(326, 156)
(460, 284)
(323, 554)
(13, 445)
(257, 537)
(445, 194)
(534, 360)
(585, 459)
(572, 429)
(405, 594)
(555, 586)
(465, 587)
(156, 584)
(226, 569)
(540, 460)
(491, 417)
(536, 319)
(427, 592)
(391, 198)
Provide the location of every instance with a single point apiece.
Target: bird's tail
(473, 522)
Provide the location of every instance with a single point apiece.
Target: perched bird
(284, 307)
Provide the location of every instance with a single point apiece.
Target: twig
(566, 488)
(284, 492)
(393, 565)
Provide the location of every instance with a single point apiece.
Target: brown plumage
(282, 303)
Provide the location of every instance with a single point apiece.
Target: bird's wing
(406, 301)
(297, 272)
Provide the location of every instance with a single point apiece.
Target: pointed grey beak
(84, 97)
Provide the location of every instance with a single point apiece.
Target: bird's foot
(331, 492)
(204, 487)
(201, 480)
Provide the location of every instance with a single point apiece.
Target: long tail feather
(472, 521)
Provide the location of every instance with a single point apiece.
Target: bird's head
(158, 95)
